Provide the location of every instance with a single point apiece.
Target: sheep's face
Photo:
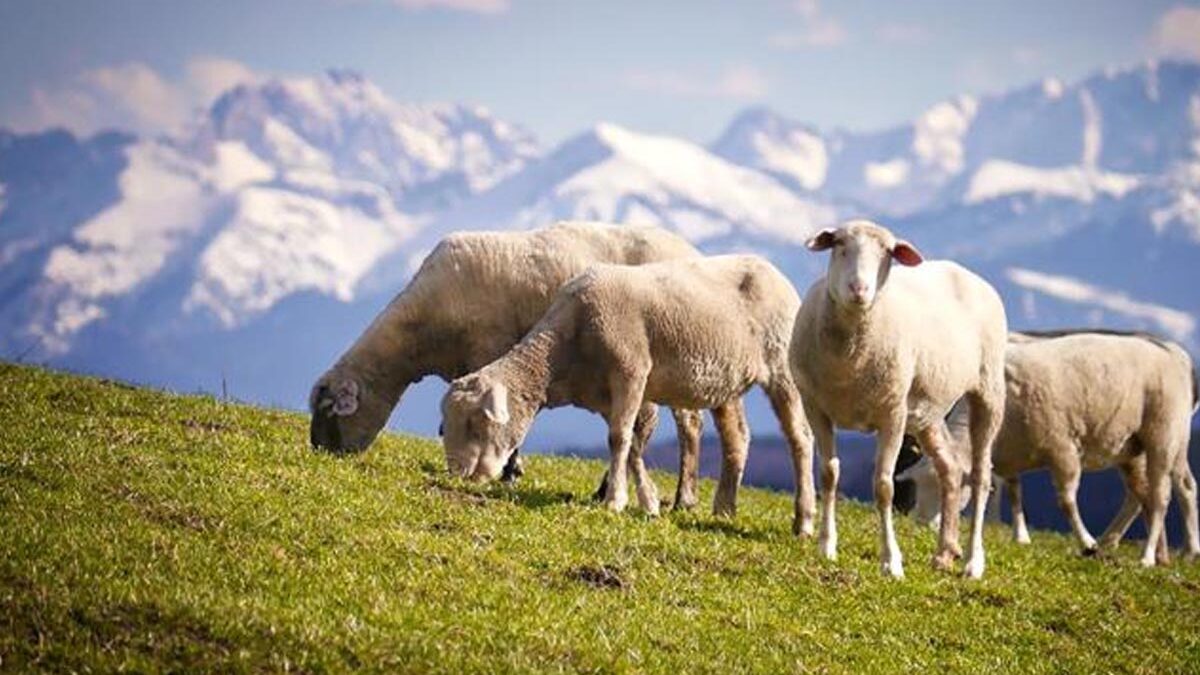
(346, 415)
(478, 430)
(861, 255)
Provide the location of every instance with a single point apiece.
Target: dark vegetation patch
(598, 576)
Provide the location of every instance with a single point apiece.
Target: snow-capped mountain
(291, 186)
(261, 241)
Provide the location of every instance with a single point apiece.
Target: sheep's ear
(906, 254)
(495, 403)
(345, 398)
(822, 241)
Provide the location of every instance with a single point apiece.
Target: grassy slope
(145, 531)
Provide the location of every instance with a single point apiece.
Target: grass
(144, 531)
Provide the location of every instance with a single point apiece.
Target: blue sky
(558, 66)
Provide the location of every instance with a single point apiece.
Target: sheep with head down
(690, 333)
(475, 295)
(888, 348)
(1087, 400)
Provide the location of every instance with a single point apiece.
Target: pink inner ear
(905, 254)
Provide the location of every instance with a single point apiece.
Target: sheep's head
(480, 430)
(861, 255)
(347, 411)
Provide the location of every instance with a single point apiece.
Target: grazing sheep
(890, 349)
(471, 300)
(690, 333)
(1088, 400)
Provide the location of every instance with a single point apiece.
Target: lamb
(689, 333)
(1088, 400)
(471, 300)
(890, 349)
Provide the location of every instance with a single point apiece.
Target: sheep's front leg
(889, 440)
(643, 429)
(822, 429)
(1185, 496)
(688, 425)
(626, 401)
(1066, 474)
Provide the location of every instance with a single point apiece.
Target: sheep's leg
(987, 412)
(1066, 475)
(935, 445)
(822, 429)
(1185, 496)
(887, 452)
(785, 401)
(1020, 529)
(688, 425)
(643, 429)
(626, 401)
(730, 420)
(1158, 478)
(993, 505)
(1133, 475)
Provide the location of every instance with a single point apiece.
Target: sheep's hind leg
(1015, 501)
(936, 446)
(688, 425)
(785, 401)
(987, 412)
(626, 403)
(643, 429)
(731, 424)
(1185, 496)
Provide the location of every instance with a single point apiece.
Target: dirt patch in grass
(598, 576)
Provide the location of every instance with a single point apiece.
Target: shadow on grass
(724, 527)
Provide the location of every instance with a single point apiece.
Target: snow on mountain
(1175, 323)
(617, 175)
(287, 186)
(1050, 138)
(792, 153)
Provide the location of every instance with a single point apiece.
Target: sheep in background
(885, 350)
(472, 299)
(691, 333)
(1088, 400)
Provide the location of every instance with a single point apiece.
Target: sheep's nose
(324, 433)
(860, 289)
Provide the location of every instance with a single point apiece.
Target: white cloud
(130, 96)
(475, 6)
(818, 30)
(737, 82)
(1177, 33)
(1180, 325)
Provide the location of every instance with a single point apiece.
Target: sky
(557, 67)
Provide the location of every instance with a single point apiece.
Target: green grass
(144, 531)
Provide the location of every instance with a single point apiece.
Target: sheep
(887, 349)
(1088, 400)
(471, 300)
(690, 333)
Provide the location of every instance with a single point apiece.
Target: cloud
(818, 30)
(1177, 33)
(130, 96)
(737, 82)
(910, 34)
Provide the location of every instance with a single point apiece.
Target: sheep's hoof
(1090, 552)
(893, 569)
(683, 503)
(724, 510)
(803, 528)
(974, 568)
(1023, 538)
(944, 561)
(828, 549)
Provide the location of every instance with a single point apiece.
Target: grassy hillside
(145, 531)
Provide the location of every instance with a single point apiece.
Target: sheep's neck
(847, 330)
(533, 365)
